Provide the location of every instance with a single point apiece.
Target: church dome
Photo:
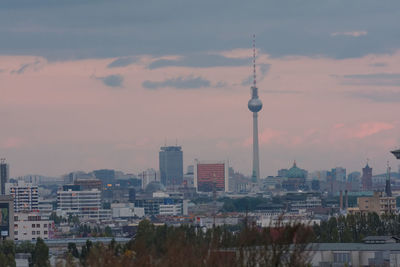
(296, 172)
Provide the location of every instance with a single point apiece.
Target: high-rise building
(366, 178)
(255, 105)
(210, 176)
(171, 165)
(339, 174)
(4, 173)
(26, 196)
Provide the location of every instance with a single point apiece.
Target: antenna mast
(254, 60)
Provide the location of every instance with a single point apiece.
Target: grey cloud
(378, 64)
(178, 83)
(264, 68)
(114, 80)
(375, 79)
(122, 62)
(200, 61)
(121, 28)
(27, 66)
(378, 96)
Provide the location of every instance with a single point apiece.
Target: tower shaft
(256, 160)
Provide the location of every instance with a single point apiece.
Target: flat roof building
(211, 175)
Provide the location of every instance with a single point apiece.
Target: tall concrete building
(255, 105)
(25, 195)
(171, 165)
(366, 178)
(4, 173)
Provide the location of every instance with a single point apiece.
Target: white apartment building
(126, 210)
(25, 196)
(30, 226)
(171, 209)
(86, 204)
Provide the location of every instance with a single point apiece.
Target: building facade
(86, 204)
(378, 203)
(25, 195)
(6, 217)
(210, 176)
(171, 166)
(30, 226)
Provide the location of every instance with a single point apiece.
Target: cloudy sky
(103, 84)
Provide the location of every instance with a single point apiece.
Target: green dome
(296, 172)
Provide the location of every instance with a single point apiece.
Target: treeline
(353, 228)
(191, 246)
(39, 253)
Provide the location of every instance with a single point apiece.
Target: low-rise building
(30, 226)
(126, 210)
(378, 203)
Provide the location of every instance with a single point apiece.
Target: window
(45, 232)
(15, 232)
(33, 225)
(341, 257)
(15, 225)
(45, 225)
(37, 225)
(33, 232)
(38, 232)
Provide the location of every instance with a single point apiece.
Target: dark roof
(353, 247)
(380, 238)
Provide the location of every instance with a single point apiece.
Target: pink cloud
(12, 142)
(371, 128)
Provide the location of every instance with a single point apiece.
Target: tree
(41, 254)
(7, 253)
(72, 249)
(107, 231)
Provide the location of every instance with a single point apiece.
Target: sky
(90, 84)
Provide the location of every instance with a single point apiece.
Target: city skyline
(330, 89)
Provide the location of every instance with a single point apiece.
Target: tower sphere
(255, 105)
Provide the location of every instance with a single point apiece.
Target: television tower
(255, 105)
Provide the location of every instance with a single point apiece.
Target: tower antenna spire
(254, 61)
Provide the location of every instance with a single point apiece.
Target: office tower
(4, 173)
(210, 176)
(366, 178)
(171, 165)
(339, 174)
(26, 196)
(255, 105)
